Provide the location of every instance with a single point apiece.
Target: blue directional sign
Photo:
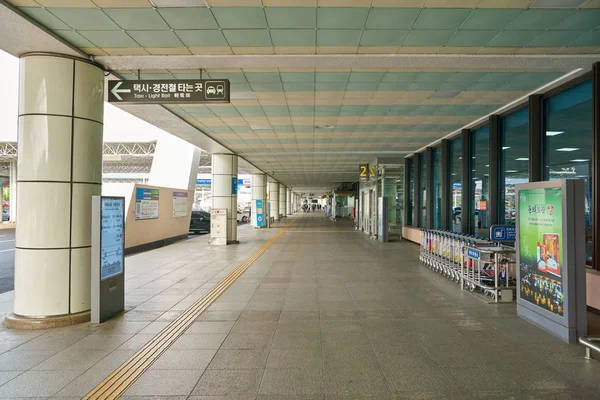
(473, 253)
(259, 220)
(259, 204)
(503, 233)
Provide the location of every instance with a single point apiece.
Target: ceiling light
(554, 133)
(260, 127)
(324, 126)
(579, 160)
(511, 171)
(487, 165)
(522, 159)
(557, 3)
(505, 147)
(568, 149)
(460, 158)
(445, 94)
(453, 174)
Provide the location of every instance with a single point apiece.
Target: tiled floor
(321, 315)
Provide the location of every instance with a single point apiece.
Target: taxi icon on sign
(211, 90)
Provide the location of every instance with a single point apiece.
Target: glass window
(423, 178)
(437, 187)
(514, 161)
(455, 184)
(480, 164)
(411, 191)
(568, 142)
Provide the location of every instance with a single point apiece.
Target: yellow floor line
(124, 376)
(330, 231)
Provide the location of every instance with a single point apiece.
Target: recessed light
(511, 171)
(522, 159)
(505, 147)
(579, 160)
(260, 127)
(453, 174)
(554, 133)
(460, 158)
(568, 149)
(487, 165)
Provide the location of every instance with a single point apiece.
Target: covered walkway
(323, 313)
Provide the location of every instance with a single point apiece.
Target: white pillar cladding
(61, 106)
(13, 191)
(274, 199)
(259, 192)
(288, 204)
(224, 189)
(282, 200)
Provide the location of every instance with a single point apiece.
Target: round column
(259, 192)
(288, 204)
(61, 106)
(224, 190)
(274, 200)
(282, 200)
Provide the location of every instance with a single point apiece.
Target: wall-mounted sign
(259, 214)
(175, 91)
(363, 172)
(146, 203)
(108, 260)
(234, 185)
(503, 233)
(551, 256)
(180, 204)
(372, 173)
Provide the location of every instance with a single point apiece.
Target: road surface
(7, 260)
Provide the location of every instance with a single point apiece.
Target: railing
(588, 342)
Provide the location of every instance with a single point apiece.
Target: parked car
(247, 211)
(241, 217)
(200, 221)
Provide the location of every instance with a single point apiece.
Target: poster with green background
(540, 248)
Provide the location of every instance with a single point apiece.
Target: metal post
(536, 138)
(446, 189)
(495, 203)
(467, 182)
(429, 189)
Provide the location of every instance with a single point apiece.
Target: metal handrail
(588, 342)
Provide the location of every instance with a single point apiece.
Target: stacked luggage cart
(471, 261)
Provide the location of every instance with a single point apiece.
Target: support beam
(446, 189)
(467, 182)
(536, 144)
(596, 167)
(495, 201)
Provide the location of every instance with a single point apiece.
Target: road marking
(4, 251)
(124, 376)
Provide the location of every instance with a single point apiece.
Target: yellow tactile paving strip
(124, 376)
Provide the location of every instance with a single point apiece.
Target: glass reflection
(455, 184)
(568, 143)
(481, 180)
(514, 159)
(437, 187)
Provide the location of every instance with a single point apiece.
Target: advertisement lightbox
(551, 257)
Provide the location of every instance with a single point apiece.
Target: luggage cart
(490, 268)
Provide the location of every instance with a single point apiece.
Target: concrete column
(274, 199)
(282, 200)
(61, 106)
(224, 190)
(13, 191)
(288, 205)
(259, 192)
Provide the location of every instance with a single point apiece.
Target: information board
(146, 203)
(259, 214)
(551, 257)
(503, 233)
(180, 204)
(112, 239)
(107, 294)
(173, 91)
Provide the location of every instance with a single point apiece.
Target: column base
(12, 321)
(233, 242)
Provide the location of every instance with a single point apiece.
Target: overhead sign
(503, 233)
(175, 91)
